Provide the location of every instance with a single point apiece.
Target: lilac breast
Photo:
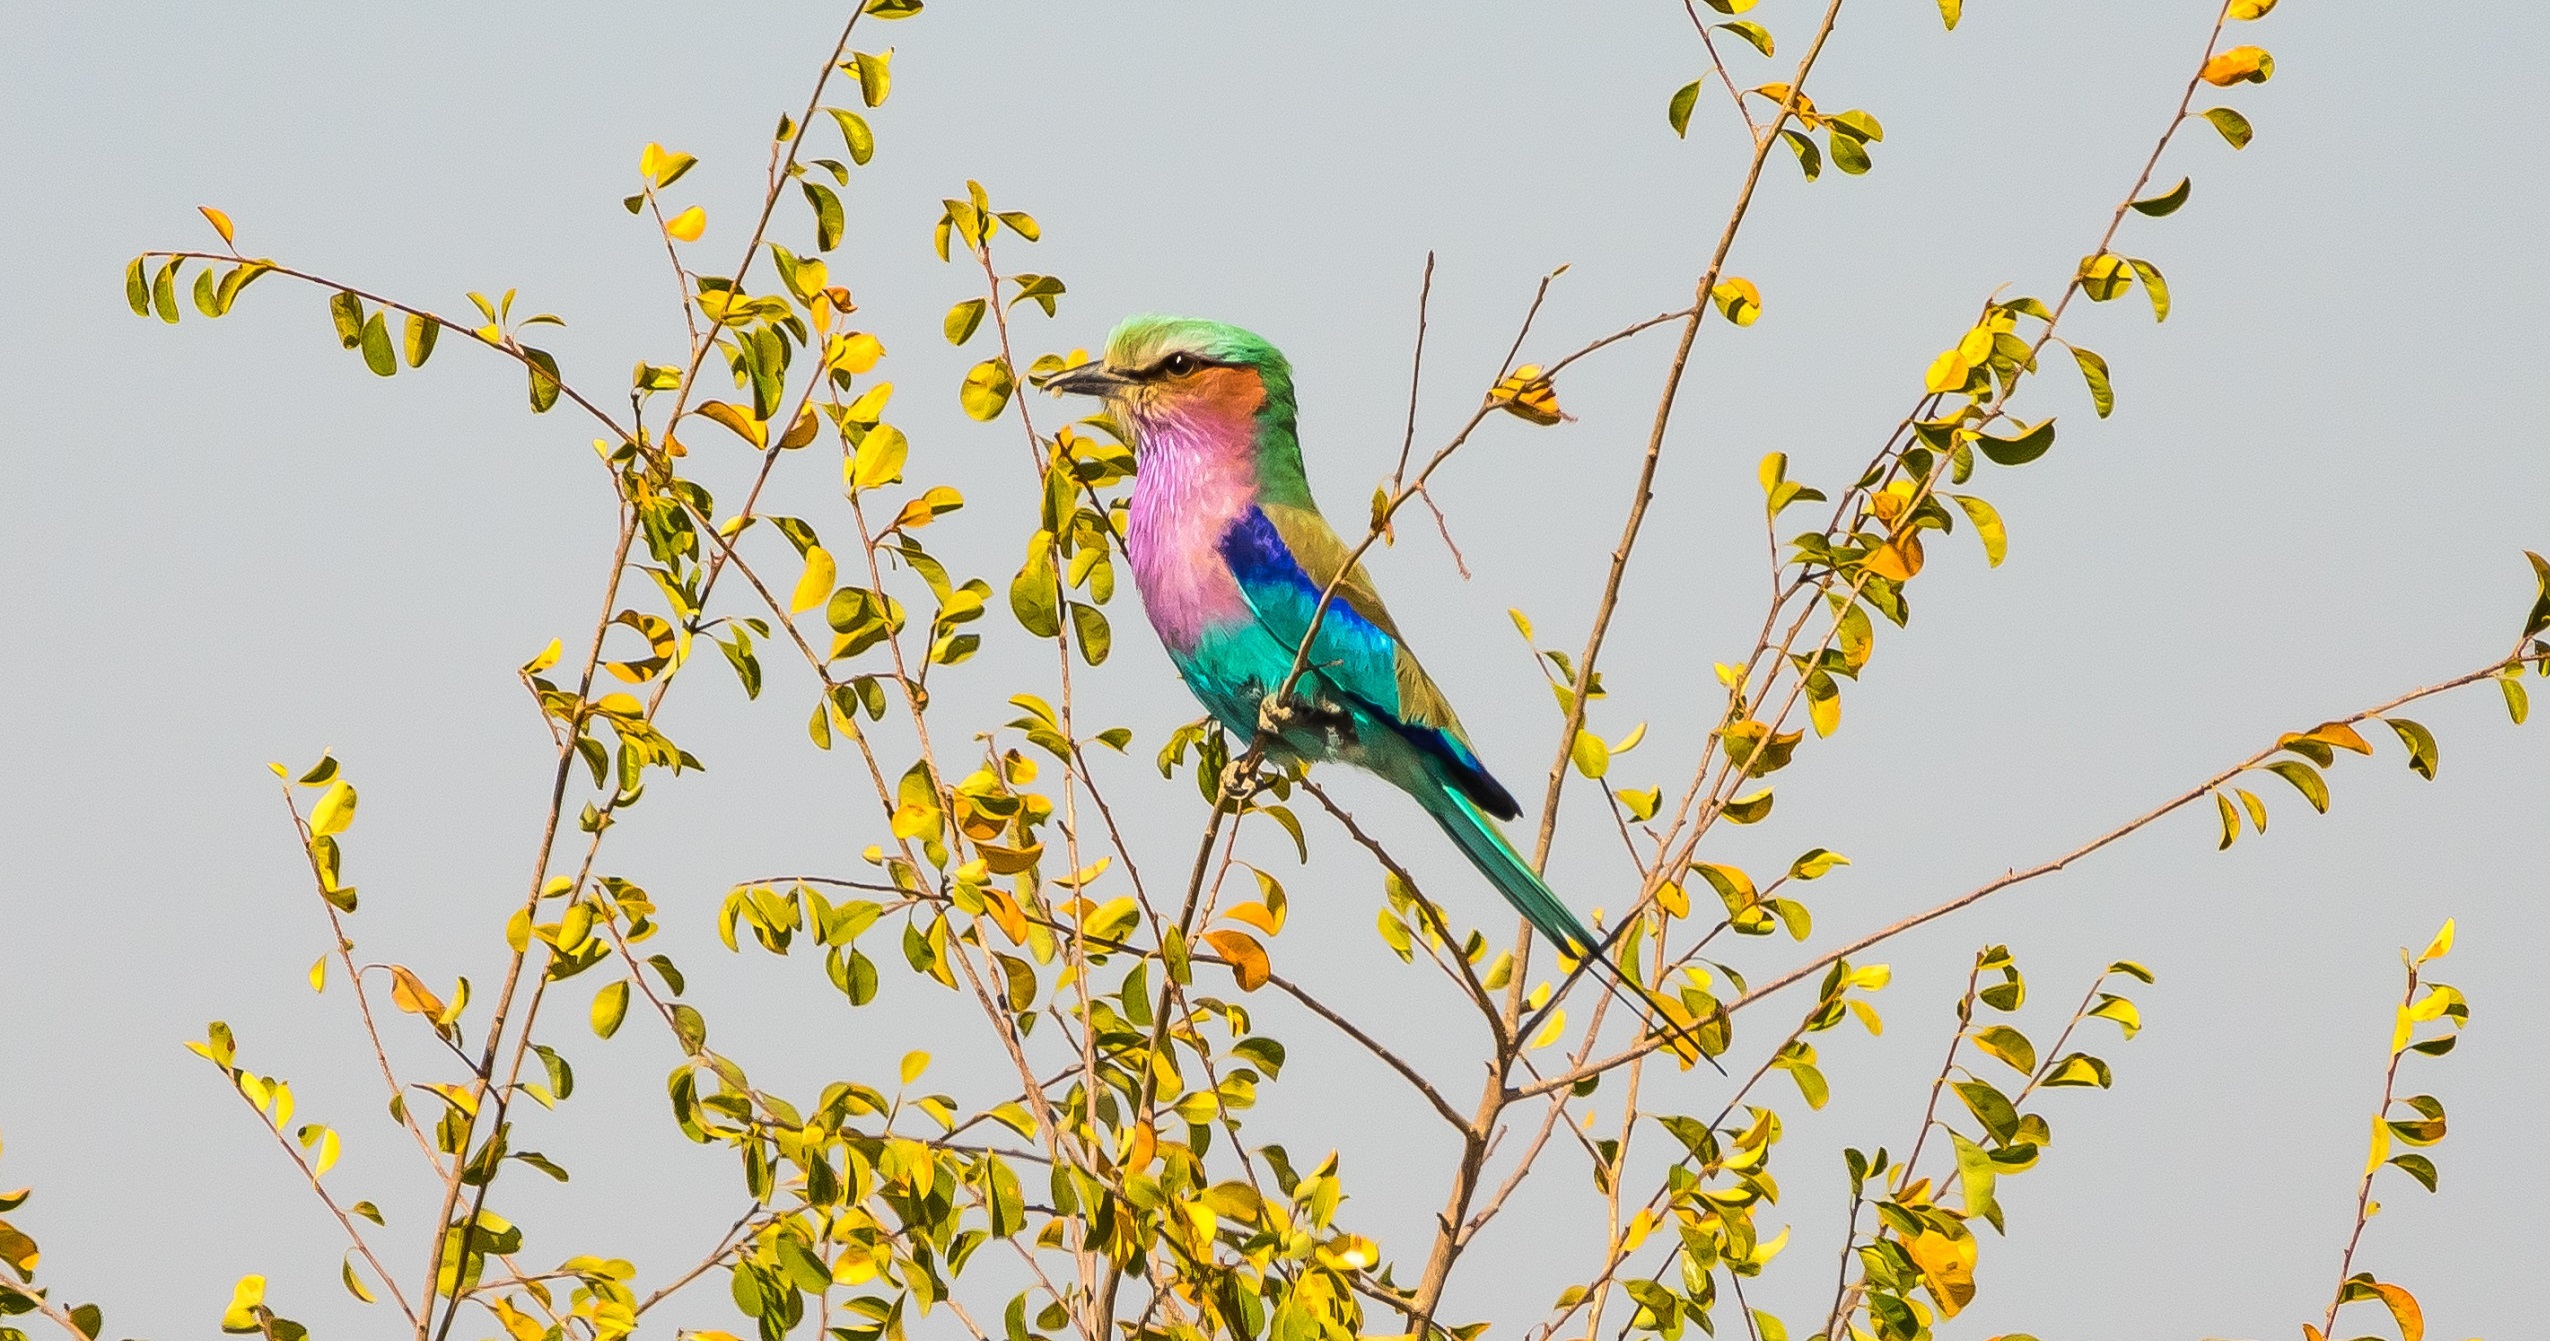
(1187, 493)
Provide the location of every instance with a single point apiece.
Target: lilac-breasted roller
(1231, 555)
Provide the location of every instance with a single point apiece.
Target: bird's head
(1167, 374)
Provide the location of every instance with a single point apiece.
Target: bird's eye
(1178, 365)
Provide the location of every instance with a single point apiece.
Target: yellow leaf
(2439, 947)
(687, 225)
(1673, 898)
(1976, 347)
(1549, 1032)
(520, 1325)
(986, 390)
(855, 354)
(2381, 1142)
(2249, 11)
(334, 811)
(548, 657)
(1948, 373)
(1738, 301)
(327, 1151)
(1593, 757)
(1896, 560)
(1774, 468)
(246, 1298)
(743, 425)
(2240, 65)
(319, 974)
(814, 587)
(1947, 1267)
(914, 1063)
(219, 221)
(1527, 396)
(880, 458)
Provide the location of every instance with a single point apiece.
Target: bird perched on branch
(1232, 558)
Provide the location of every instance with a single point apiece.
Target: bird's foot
(1277, 714)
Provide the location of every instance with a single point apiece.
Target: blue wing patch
(1352, 654)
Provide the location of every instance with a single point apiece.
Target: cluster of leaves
(1923, 1241)
(2420, 1127)
(20, 1294)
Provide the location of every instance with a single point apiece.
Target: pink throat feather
(1197, 476)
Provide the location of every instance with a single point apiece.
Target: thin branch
(1373, 1046)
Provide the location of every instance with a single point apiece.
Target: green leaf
(2416, 1166)
(2167, 202)
(2420, 743)
(544, 380)
(1849, 154)
(827, 207)
(963, 320)
(2079, 1070)
(1749, 809)
(986, 390)
(2008, 1044)
(1987, 527)
(2539, 618)
(1751, 32)
(876, 79)
(421, 334)
(164, 293)
(346, 311)
(2153, 286)
(137, 287)
(2094, 372)
(1813, 863)
(207, 294)
(2234, 126)
(1090, 624)
(2305, 779)
(1810, 160)
(1677, 112)
(610, 1006)
(1035, 595)
(377, 354)
(862, 141)
(2020, 450)
(2518, 703)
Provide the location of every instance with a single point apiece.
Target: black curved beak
(1093, 378)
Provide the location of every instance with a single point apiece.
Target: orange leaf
(2404, 1311)
(409, 993)
(2240, 65)
(1527, 395)
(1259, 916)
(1247, 958)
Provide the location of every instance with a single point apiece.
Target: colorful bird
(1231, 556)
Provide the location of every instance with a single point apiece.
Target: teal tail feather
(1484, 844)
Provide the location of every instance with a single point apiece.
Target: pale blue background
(232, 544)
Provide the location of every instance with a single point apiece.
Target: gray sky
(235, 545)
